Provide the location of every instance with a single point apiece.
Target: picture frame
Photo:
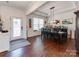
(68, 21)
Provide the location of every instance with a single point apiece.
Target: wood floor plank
(43, 48)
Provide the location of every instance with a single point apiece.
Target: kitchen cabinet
(4, 42)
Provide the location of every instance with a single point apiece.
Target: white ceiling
(60, 6)
(24, 5)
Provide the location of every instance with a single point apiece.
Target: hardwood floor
(43, 48)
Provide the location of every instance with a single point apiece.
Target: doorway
(17, 40)
(16, 29)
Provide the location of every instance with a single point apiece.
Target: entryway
(17, 40)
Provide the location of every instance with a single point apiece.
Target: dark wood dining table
(59, 36)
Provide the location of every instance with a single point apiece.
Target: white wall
(7, 13)
(66, 15)
(31, 32)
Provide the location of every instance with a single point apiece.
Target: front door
(16, 29)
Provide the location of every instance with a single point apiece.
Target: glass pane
(38, 23)
(35, 21)
(35, 27)
(35, 24)
(41, 23)
(16, 27)
(40, 26)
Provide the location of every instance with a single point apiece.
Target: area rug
(16, 44)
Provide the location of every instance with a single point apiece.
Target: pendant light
(52, 15)
(52, 12)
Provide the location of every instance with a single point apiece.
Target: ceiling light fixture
(51, 17)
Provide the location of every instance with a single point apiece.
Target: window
(38, 23)
(16, 27)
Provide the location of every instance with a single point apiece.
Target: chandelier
(51, 16)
